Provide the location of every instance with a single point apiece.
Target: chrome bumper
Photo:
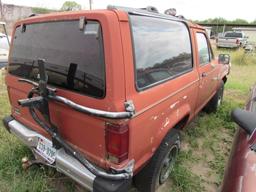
(66, 163)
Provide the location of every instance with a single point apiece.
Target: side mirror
(224, 59)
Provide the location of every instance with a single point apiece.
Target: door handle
(204, 74)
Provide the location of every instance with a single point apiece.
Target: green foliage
(184, 179)
(71, 6)
(239, 21)
(221, 21)
(40, 10)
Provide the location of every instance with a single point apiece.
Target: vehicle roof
(128, 10)
(136, 11)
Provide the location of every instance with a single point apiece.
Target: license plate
(44, 149)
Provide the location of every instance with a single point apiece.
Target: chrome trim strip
(164, 99)
(90, 111)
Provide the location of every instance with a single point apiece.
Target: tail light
(237, 41)
(117, 142)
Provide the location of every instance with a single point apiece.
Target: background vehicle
(240, 170)
(112, 100)
(232, 39)
(4, 46)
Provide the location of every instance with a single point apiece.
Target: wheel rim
(168, 163)
(220, 98)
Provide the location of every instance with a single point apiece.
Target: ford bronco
(102, 95)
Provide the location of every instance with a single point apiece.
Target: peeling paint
(167, 121)
(247, 154)
(177, 112)
(174, 104)
(240, 185)
(253, 168)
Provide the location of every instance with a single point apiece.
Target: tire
(216, 101)
(157, 171)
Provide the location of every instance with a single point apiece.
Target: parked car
(240, 173)
(3, 57)
(232, 39)
(104, 97)
(4, 46)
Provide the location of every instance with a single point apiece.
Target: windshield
(233, 34)
(74, 57)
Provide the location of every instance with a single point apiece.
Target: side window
(162, 50)
(203, 49)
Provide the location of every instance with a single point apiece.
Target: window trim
(134, 60)
(102, 59)
(210, 51)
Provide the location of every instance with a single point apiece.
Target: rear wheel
(216, 101)
(159, 168)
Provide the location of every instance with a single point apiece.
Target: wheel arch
(224, 79)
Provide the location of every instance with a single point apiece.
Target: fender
(170, 121)
(173, 119)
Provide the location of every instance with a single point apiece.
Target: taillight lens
(117, 142)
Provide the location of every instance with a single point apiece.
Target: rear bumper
(66, 163)
(226, 45)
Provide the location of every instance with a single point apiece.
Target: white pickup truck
(4, 46)
(232, 39)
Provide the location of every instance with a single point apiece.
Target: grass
(207, 140)
(12, 177)
(200, 166)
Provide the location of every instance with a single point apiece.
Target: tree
(40, 10)
(239, 21)
(71, 6)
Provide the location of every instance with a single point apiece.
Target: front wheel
(159, 168)
(216, 101)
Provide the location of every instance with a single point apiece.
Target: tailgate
(227, 40)
(74, 61)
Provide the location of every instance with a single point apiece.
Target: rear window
(74, 57)
(235, 35)
(162, 50)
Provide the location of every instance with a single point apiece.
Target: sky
(191, 9)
